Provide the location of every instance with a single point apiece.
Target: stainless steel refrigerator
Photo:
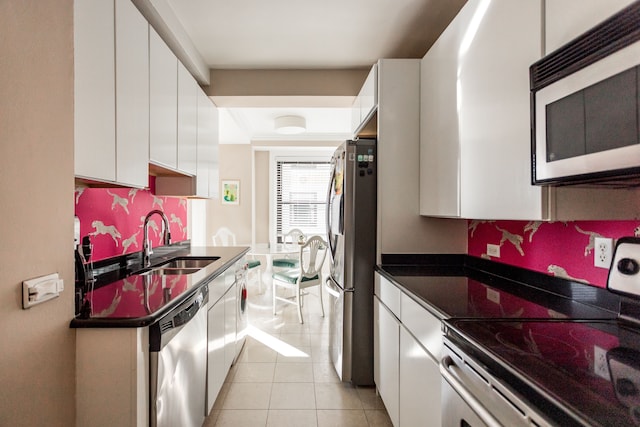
(351, 231)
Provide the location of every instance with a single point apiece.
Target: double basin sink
(181, 265)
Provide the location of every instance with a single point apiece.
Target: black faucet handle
(86, 248)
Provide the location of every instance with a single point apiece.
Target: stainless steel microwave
(585, 107)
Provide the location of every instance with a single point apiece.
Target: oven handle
(446, 366)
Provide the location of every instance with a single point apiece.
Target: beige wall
(235, 164)
(283, 83)
(262, 196)
(37, 374)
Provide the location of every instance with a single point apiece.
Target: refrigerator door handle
(331, 289)
(334, 288)
(329, 198)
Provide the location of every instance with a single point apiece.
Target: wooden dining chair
(309, 273)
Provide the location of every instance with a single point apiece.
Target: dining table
(270, 252)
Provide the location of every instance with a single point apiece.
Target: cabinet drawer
(423, 325)
(389, 294)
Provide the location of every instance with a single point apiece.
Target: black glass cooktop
(589, 369)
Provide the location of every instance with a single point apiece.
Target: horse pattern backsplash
(113, 218)
(564, 249)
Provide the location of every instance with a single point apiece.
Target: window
(301, 196)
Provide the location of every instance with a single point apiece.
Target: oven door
(459, 407)
(472, 397)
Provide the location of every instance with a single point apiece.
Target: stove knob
(628, 266)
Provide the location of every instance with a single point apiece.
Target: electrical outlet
(602, 252)
(493, 250)
(493, 295)
(600, 367)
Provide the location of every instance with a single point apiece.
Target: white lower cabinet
(420, 394)
(230, 304)
(221, 333)
(387, 359)
(216, 368)
(407, 347)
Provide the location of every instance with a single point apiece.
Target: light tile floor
(284, 376)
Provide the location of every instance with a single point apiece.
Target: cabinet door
(387, 363)
(369, 94)
(214, 164)
(420, 395)
(567, 19)
(230, 304)
(187, 120)
(494, 128)
(163, 97)
(94, 90)
(132, 95)
(207, 137)
(439, 142)
(216, 368)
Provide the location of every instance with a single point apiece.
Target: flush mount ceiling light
(290, 125)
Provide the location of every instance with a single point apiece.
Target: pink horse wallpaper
(113, 218)
(564, 249)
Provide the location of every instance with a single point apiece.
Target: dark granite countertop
(460, 286)
(129, 300)
(532, 331)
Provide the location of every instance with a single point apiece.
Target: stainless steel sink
(181, 265)
(171, 271)
(189, 262)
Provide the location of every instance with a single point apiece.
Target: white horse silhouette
(592, 239)
(132, 240)
(105, 229)
(157, 201)
(558, 271)
(152, 225)
(132, 193)
(515, 239)
(176, 220)
(117, 200)
(533, 227)
(79, 191)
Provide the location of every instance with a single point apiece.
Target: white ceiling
(306, 34)
(243, 125)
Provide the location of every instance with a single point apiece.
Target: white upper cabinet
(163, 97)
(132, 95)
(111, 92)
(439, 141)
(366, 102)
(94, 94)
(187, 120)
(207, 145)
(567, 19)
(475, 125)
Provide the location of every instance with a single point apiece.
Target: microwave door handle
(446, 366)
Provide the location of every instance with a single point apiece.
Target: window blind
(301, 200)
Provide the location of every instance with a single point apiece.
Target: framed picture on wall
(230, 192)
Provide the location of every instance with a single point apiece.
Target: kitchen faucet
(146, 245)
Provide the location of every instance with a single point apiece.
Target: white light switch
(41, 289)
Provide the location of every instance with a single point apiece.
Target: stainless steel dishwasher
(178, 364)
